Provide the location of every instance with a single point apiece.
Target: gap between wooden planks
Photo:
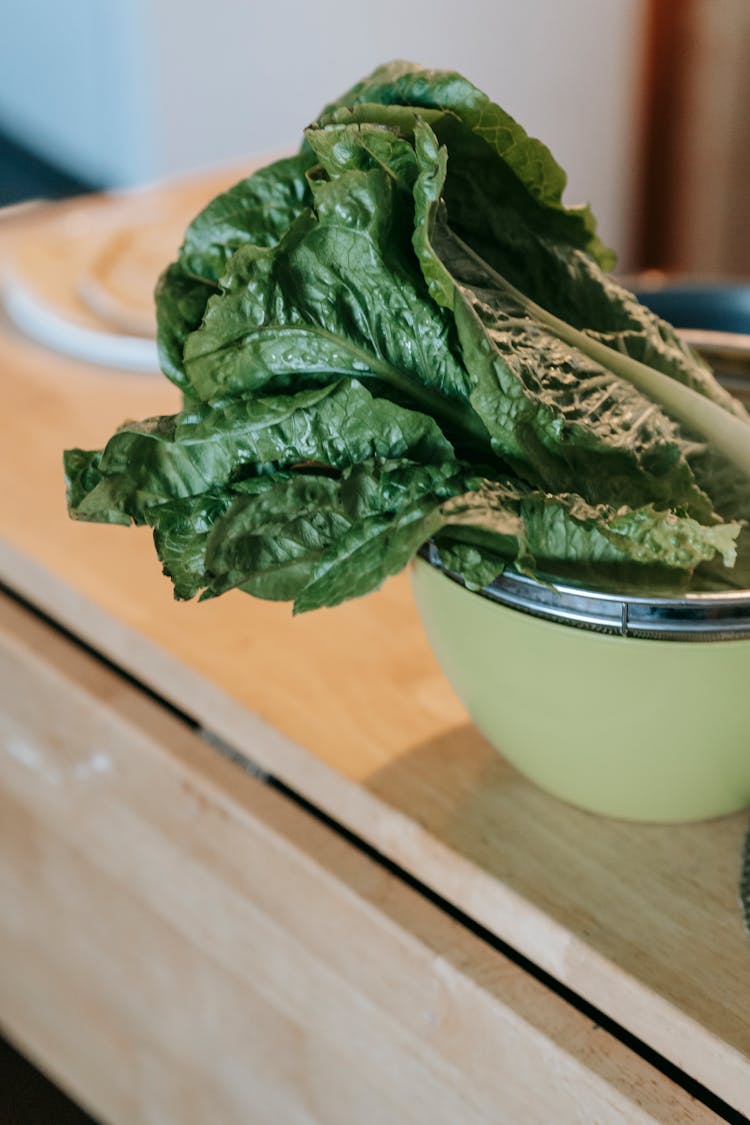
(184, 944)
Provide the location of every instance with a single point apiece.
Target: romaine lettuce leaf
(341, 296)
(209, 448)
(256, 211)
(319, 538)
(488, 143)
(402, 333)
(503, 191)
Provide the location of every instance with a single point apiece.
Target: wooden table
(256, 868)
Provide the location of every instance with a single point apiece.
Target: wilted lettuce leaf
(508, 523)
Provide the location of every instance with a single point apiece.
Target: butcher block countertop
(263, 868)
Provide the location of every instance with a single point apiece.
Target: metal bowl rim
(701, 616)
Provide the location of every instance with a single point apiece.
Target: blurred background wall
(646, 103)
(120, 92)
(692, 201)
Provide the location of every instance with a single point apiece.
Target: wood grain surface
(94, 261)
(184, 945)
(348, 707)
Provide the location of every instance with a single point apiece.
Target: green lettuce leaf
(504, 524)
(403, 334)
(487, 141)
(320, 539)
(207, 448)
(277, 544)
(181, 530)
(744, 887)
(341, 296)
(503, 191)
(572, 399)
(552, 412)
(181, 301)
(257, 211)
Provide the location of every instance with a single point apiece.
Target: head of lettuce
(402, 334)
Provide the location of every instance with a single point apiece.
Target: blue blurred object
(26, 175)
(714, 307)
(712, 316)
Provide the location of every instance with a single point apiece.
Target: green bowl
(632, 726)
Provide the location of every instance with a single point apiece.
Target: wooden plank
(182, 944)
(349, 707)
